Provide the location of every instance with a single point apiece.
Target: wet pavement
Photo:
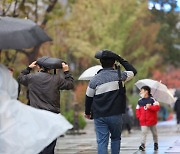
(169, 141)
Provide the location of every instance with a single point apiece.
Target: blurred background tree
(149, 38)
(169, 33)
(126, 28)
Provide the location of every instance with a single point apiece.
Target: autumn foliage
(80, 93)
(170, 79)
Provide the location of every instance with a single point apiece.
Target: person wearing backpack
(105, 100)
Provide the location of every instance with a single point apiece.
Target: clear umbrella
(158, 90)
(90, 72)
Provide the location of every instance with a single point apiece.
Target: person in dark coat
(44, 90)
(177, 111)
(126, 121)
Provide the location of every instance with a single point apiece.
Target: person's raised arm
(23, 76)
(68, 82)
(127, 65)
(130, 70)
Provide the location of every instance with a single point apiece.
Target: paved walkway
(169, 141)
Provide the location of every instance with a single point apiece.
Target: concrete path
(169, 141)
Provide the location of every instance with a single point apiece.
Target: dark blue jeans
(105, 127)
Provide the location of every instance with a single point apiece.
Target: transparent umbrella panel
(158, 90)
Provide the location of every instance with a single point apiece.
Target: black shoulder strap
(119, 74)
(122, 89)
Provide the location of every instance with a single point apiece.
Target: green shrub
(82, 122)
(70, 117)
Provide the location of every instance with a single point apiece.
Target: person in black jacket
(105, 97)
(177, 111)
(44, 90)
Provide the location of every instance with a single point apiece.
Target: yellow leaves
(7, 1)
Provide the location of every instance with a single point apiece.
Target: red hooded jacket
(147, 116)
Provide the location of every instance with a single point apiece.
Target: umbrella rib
(155, 91)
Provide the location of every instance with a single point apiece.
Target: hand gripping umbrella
(18, 33)
(158, 90)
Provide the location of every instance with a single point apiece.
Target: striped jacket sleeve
(89, 99)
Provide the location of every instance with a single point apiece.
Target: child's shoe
(142, 147)
(155, 146)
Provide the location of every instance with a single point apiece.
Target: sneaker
(155, 146)
(142, 147)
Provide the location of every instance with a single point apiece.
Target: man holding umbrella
(105, 99)
(44, 87)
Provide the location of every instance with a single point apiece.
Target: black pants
(50, 148)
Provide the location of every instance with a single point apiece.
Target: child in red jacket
(146, 112)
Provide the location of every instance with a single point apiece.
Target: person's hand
(65, 67)
(87, 116)
(32, 65)
(148, 106)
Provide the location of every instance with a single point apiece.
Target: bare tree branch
(3, 8)
(48, 10)
(23, 2)
(14, 57)
(22, 51)
(22, 6)
(36, 11)
(14, 11)
(7, 56)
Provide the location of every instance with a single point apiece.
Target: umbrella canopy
(158, 90)
(90, 72)
(18, 33)
(25, 129)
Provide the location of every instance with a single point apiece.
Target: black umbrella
(18, 33)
